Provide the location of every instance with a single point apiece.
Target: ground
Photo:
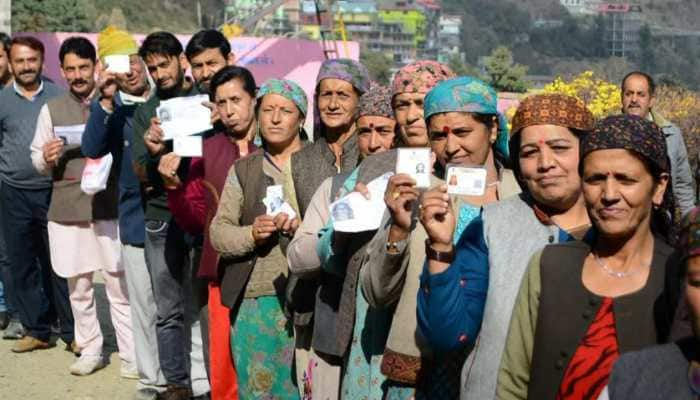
(43, 375)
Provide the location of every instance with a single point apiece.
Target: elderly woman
(465, 129)
(194, 201)
(376, 126)
(340, 83)
(670, 371)
(582, 304)
(322, 374)
(409, 88)
(493, 250)
(248, 242)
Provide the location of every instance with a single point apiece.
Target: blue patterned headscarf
(287, 89)
(467, 94)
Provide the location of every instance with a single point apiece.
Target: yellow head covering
(112, 41)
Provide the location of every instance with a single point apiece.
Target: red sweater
(193, 205)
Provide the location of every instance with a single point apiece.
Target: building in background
(406, 16)
(5, 16)
(402, 30)
(580, 7)
(450, 38)
(623, 22)
(431, 47)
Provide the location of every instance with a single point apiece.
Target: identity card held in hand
(468, 181)
(417, 163)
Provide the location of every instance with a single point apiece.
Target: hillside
(178, 16)
(681, 14)
(578, 44)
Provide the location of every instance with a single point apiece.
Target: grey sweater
(513, 234)
(18, 117)
(655, 373)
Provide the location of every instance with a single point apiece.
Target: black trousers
(40, 296)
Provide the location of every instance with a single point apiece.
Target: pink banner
(295, 59)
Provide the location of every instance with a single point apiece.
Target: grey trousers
(172, 261)
(143, 317)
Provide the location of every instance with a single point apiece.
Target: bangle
(441, 256)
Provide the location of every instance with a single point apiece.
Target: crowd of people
(575, 274)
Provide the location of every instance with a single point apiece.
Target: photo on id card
(274, 199)
(417, 163)
(466, 181)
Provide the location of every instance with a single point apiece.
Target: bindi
(445, 129)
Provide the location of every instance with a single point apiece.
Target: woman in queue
(194, 201)
(248, 240)
(581, 304)
(465, 130)
(454, 307)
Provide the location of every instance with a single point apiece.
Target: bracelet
(440, 256)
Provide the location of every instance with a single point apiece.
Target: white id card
(274, 191)
(468, 181)
(188, 146)
(417, 163)
(119, 64)
(70, 134)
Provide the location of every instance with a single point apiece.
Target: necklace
(611, 271)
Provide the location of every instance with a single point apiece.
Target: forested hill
(578, 43)
(574, 46)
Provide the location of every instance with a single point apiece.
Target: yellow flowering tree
(682, 107)
(678, 105)
(601, 97)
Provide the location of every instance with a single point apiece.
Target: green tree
(461, 68)
(51, 16)
(503, 73)
(378, 65)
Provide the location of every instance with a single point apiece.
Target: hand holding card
(188, 146)
(119, 64)
(275, 204)
(467, 181)
(417, 163)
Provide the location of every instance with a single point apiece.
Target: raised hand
(399, 196)
(154, 137)
(437, 218)
(167, 167)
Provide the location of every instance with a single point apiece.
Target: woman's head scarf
(690, 234)
(467, 94)
(376, 102)
(420, 77)
(287, 89)
(347, 70)
(647, 140)
(548, 109)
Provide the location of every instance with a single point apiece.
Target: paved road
(43, 375)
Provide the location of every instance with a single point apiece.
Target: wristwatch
(441, 256)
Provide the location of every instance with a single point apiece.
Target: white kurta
(85, 247)
(76, 248)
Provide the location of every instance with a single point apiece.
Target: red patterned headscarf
(376, 102)
(420, 77)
